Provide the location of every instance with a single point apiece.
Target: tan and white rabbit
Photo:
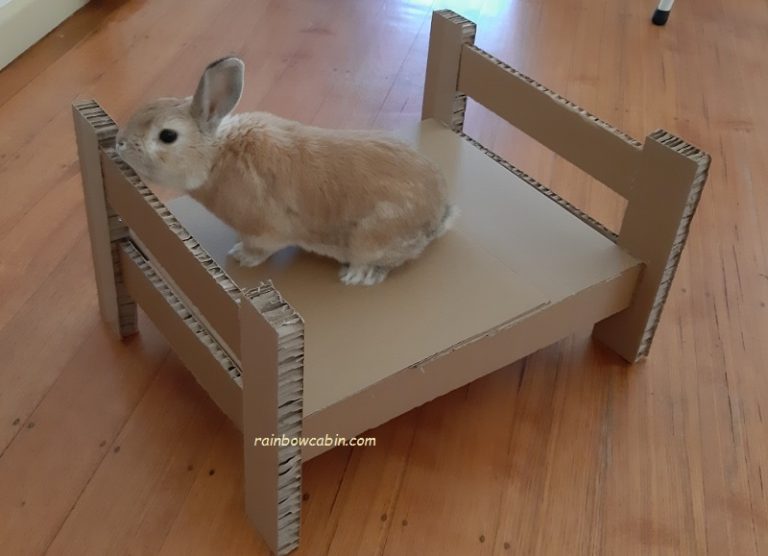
(361, 197)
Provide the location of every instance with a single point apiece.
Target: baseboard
(24, 22)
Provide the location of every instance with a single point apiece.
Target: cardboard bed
(285, 349)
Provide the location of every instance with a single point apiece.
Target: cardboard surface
(519, 273)
(530, 233)
(178, 255)
(655, 228)
(272, 366)
(356, 336)
(514, 251)
(92, 128)
(211, 367)
(260, 414)
(411, 387)
(442, 101)
(592, 145)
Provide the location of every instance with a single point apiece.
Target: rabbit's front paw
(248, 257)
(362, 275)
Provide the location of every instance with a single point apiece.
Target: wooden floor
(110, 448)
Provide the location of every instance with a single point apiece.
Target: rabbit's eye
(168, 136)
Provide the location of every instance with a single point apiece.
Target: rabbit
(361, 197)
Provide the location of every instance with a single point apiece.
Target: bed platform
(286, 349)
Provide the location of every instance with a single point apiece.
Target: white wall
(24, 22)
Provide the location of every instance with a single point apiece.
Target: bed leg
(272, 364)
(660, 207)
(442, 100)
(94, 129)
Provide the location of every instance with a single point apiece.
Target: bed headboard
(661, 179)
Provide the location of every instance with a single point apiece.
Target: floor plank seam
(109, 449)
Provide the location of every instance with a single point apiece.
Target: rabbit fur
(360, 197)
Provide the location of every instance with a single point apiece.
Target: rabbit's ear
(218, 92)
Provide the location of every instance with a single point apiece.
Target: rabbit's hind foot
(362, 275)
(248, 257)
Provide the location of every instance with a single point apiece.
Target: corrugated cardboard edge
(94, 130)
(502, 327)
(206, 261)
(478, 337)
(442, 100)
(655, 228)
(468, 28)
(417, 385)
(585, 141)
(205, 358)
(557, 98)
(544, 190)
(468, 33)
(628, 188)
(702, 161)
(289, 329)
(200, 331)
(215, 303)
(583, 216)
(107, 128)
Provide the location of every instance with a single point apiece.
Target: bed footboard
(143, 255)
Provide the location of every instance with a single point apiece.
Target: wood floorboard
(112, 448)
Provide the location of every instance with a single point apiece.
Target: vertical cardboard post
(661, 204)
(272, 366)
(94, 129)
(442, 100)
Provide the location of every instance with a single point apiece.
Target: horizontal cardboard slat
(595, 147)
(189, 338)
(181, 257)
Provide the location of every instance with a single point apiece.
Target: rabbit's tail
(447, 221)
